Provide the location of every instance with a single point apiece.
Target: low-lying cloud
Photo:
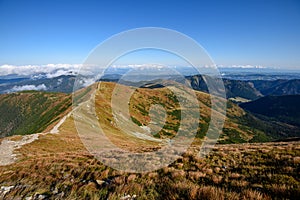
(28, 87)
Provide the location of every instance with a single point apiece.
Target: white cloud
(242, 66)
(50, 70)
(55, 70)
(60, 72)
(85, 82)
(140, 66)
(28, 87)
(59, 81)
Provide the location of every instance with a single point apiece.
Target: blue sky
(254, 32)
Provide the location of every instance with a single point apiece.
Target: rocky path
(55, 128)
(8, 146)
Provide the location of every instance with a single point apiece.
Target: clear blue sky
(254, 32)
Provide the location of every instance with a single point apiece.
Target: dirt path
(56, 127)
(7, 148)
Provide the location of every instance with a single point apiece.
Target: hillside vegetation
(30, 111)
(240, 126)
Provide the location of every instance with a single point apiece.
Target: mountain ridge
(283, 108)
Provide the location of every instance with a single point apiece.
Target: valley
(150, 100)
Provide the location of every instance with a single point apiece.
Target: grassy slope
(283, 108)
(30, 111)
(59, 167)
(239, 126)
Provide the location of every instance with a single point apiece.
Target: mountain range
(34, 111)
(43, 156)
(235, 89)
